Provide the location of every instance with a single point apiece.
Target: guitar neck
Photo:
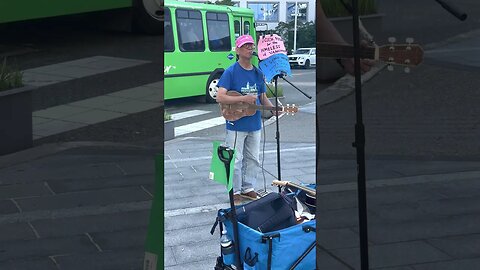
(286, 183)
(333, 50)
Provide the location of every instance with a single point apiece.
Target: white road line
(187, 114)
(185, 129)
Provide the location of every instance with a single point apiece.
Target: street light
(295, 28)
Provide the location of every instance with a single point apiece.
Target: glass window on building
(218, 30)
(265, 12)
(190, 30)
(302, 11)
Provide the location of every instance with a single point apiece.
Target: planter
(169, 130)
(16, 119)
(328, 69)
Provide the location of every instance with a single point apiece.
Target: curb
(345, 86)
(54, 148)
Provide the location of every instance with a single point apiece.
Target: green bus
(146, 15)
(199, 44)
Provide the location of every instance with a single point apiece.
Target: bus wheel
(148, 16)
(212, 88)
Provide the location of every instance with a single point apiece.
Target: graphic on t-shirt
(249, 89)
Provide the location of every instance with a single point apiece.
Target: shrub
(334, 8)
(9, 77)
(167, 116)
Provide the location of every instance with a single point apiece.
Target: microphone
(462, 16)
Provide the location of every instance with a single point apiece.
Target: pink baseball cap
(241, 40)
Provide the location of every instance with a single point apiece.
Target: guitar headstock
(290, 109)
(401, 54)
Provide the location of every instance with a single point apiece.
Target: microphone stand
(462, 16)
(277, 134)
(359, 143)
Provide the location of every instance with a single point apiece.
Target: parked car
(303, 57)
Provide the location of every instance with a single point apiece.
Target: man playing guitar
(244, 134)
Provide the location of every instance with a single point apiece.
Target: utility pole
(295, 28)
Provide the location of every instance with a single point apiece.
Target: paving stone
(7, 207)
(186, 221)
(91, 224)
(193, 201)
(416, 230)
(133, 238)
(189, 253)
(465, 246)
(84, 198)
(68, 168)
(395, 268)
(204, 264)
(452, 206)
(189, 189)
(45, 247)
(169, 258)
(30, 190)
(143, 166)
(69, 185)
(29, 264)
(326, 261)
(400, 213)
(189, 235)
(131, 259)
(400, 194)
(337, 219)
(465, 264)
(337, 200)
(16, 231)
(337, 238)
(396, 254)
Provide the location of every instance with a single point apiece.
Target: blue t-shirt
(236, 78)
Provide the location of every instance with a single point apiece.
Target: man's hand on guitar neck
(365, 64)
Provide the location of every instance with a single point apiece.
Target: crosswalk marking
(209, 123)
(65, 71)
(187, 114)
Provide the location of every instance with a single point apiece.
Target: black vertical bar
(277, 135)
(359, 144)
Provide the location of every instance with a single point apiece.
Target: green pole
(154, 243)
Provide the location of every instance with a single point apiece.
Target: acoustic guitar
(310, 199)
(233, 112)
(407, 54)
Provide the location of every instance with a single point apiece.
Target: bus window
(190, 30)
(218, 32)
(238, 32)
(246, 28)
(168, 45)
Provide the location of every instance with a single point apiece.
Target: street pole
(295, 28)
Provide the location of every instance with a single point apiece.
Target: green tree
(224, 2)
(305, 34)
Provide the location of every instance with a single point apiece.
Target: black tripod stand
(277, 132)
(359, 143)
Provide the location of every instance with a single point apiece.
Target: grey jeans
(247, 159)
